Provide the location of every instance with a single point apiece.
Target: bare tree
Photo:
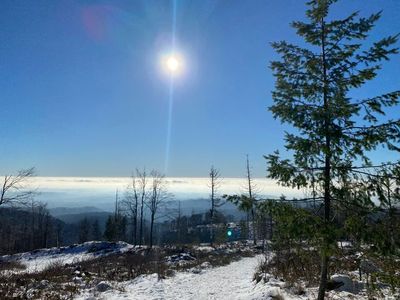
(15, 190)
(179, 222)
(131, 204)
(157, 196)
(43, 225)
(247, 202)
(215, 201)
(142, 182)
(251, 191)
(136, 196)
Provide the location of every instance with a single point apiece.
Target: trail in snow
(233, 281)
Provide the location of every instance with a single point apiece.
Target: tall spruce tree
(335, 132)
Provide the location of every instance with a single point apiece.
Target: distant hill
(58, 211)
(202, 205)
(74, 219)
(73, 215)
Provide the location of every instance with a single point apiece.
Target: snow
(204, 248)
(233, 281)
(38, 260)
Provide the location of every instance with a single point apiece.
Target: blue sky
(83, 93)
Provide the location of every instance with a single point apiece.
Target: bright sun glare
(173, 64)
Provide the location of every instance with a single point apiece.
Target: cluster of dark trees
(24, 223)
(145, 196)
(89, 231)
(23, 230)
(29, 227)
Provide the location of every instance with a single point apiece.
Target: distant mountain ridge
(73, 215)
(58, 211)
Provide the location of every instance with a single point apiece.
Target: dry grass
(11, 265)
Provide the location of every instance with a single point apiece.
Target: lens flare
(173, 64)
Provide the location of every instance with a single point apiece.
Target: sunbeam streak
(173, 66)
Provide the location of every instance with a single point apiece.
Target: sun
(173, 64)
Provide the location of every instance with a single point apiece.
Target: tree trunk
(324, 276)
(327, 172)
(141, 223)
(250, 190)
(253, 221)
(151, 230)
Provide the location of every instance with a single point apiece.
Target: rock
(342, 283)
(31, 293)
(333, 285)
(103, 286)
(195, 270)
(41, 285)
(180, 257)
(77, 280)
(205, 265)
(368, 266)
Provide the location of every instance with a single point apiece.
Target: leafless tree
(215, 201)
(14, 189)
(158, 195)
(131, 205)
(179, 221)
(251, 192)
(142, 182)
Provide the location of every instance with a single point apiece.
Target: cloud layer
(100, 191)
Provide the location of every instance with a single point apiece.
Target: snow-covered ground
(233, 281)
(38, 260)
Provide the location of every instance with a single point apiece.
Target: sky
(83, 92)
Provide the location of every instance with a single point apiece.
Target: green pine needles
(335, 132)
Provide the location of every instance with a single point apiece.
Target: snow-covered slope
(38, 260)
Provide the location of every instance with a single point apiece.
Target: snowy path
(217, 283)
(233, 281)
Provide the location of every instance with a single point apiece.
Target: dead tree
(215, 201)
(158, 195)
(142, 190)
(251, 190)
(131, 203)
(14, 189)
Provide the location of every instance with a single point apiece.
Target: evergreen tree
(387, 188)
(110, 232)
(84, 230)
(121, 223)
(334, 131)
(96, 233)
